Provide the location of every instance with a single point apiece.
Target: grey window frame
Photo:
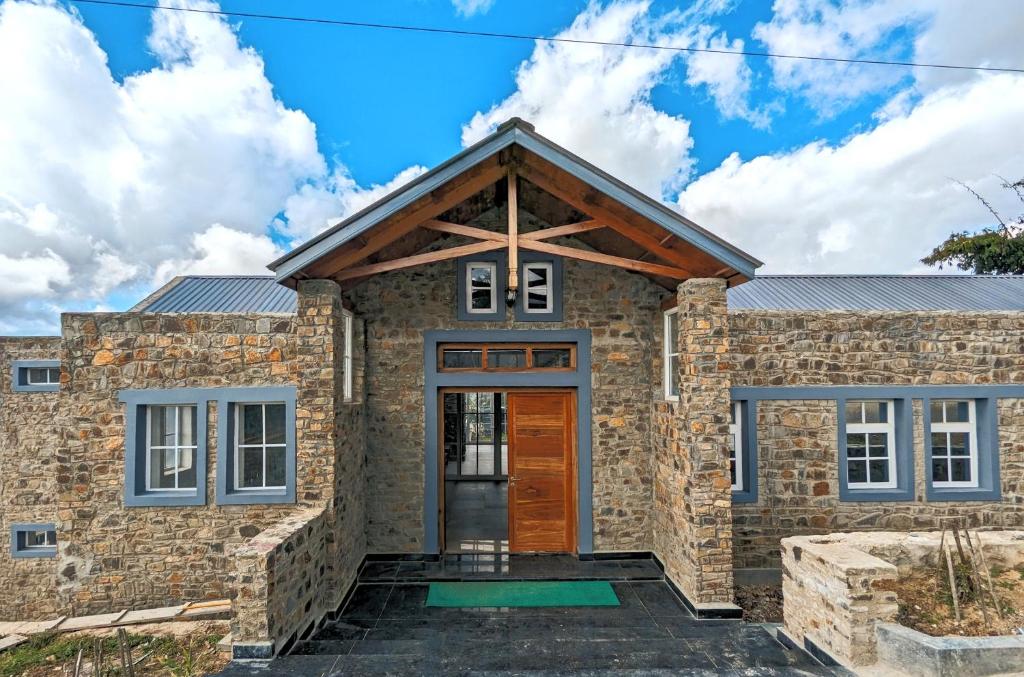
(555, 288)
(227, 400)
(500, 261)
(986, 431)
(137, 403)
(19, 376)
(746, 491)
(667, 354)
(18, 548)
(348, 322)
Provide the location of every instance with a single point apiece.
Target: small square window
(481, 283)
(260, 448)
(35, 376)
(538, 282)
(33, 540)
(256, 445)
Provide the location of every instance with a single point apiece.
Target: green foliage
(992, 250)
(55, 649)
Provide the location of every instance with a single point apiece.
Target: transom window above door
(506, 357)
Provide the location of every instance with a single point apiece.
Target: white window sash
(889, 428)
(545, 288)
(45, 370)
(347, 357)
(669, 343)
(263, 446)
(493, 306)
(178, 448)
(37, 546)
(970, 427)
(736, 430)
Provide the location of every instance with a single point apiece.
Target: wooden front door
(542, 471)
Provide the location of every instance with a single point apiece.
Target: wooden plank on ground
(91, 622)
(12, 641)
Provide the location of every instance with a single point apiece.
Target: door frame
(434, 380)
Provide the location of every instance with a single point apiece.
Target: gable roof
(262, 294)
(514, 132)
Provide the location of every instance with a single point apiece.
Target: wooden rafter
(418, 260)
(562, 231)
(606, 259)
(467, 231)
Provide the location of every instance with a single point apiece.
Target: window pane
(186, 469)
(732, 414)
(856, 471)
(855, 447)
(879, 471)
(463, 359)
(536, 300)
(936, 411)
(939, 442)
(552, 358)
(940, 472)
(876, 412)
(161, 433)
(187, 426)
(53, 375)
(877, 445)
(673, 332)
(161, 469)
(673, 375)
(42, 375)
(853, 412)
(958, 444)
(511, 358)
(252, 424)
(480, 276)
(275, 467)
(957, 412)
(732, 473)
(251, 472)
(481, 299)
(275, 423)
(961, 470)
(536, 276)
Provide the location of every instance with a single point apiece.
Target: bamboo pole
(952, 585)
(988, 573)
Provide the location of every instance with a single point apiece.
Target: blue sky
(148, 144)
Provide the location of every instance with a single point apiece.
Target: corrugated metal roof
(261, 294)
(221, 294)
(880, 292)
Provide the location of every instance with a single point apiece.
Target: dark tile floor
(386, 629)
(454, 567)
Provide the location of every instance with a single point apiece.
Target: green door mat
(522, 593)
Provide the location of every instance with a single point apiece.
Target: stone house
(515, 352)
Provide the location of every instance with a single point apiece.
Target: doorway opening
(475, 472)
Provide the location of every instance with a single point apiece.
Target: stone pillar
(698, 492)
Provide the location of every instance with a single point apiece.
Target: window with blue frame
(33, 540)
(743, 451)
(961, 449)
(480, 287)
(876, 456)
(540, 297)
(28, 376)
(256, 445)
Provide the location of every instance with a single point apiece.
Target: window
(256, 445)
(35, 376)
(171, 448)
(507, 357)
(347, 358)
(870, 444)
(538, 282)
(33, 540)
(260, 446)
(736, 446)
(481, 282)
(671, 354)
(165, 446)
(954, 443)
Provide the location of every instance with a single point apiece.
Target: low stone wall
(279, 583)
(832, 601)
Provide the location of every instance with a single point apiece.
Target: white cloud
(879, 201)
(222, 251)
(596, 100)
(468, 8)
(727, 78)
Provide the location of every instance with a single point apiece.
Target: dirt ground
(175, 649)
(926, 603)
(760, 603)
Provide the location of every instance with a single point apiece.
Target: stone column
(698, 491)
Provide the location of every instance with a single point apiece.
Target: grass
(184, 657)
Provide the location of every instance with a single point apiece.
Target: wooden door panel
(542, 488)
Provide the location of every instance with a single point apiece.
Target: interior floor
(476, 516)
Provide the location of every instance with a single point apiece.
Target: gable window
(35, 376)
(347, 356)
(954, 443)
(736, 446)
(870, 444)
(539, 292)
(481, 283)
(259, 446)
(33, 540)
(506, 357)
(171, 448)
(671, 354)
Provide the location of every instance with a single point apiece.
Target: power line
(534, 38)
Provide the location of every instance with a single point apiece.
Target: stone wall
(621, 310)
(282, 581)
(798, 462)
(28, 457)
(692, 496)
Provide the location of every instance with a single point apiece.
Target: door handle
(513, 479)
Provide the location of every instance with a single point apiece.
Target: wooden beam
(585, 199)
(606, 259)
(384, 233)
(562, 231)
(418, 260)
(467, 231)
(513, 231)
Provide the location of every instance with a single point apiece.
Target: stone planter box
(916, 653)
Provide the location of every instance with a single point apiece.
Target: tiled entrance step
(510, 568)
